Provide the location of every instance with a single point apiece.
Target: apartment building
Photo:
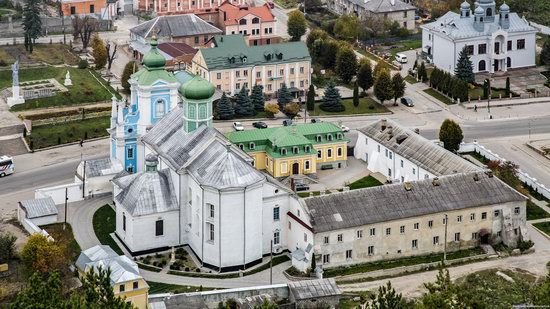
(256, 23)
(398, 11)
(171, 7)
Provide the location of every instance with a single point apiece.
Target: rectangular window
(237, 73)
(416, 226)
(210, 228)
(276, 238)
(499, 233)
(388, 231)
(402, 229)
(292, 71)
(301, 70)
(483, 216)
(276, 214)
(258, 74)
(130, 153)
(92, 8)
(121, 288)
(474, 236)
(436, 240)
(219, 75)
(521, 44)
(378, 148)
(516, 231)
(269, 87)
(372, 232)
(269, 73)
(516, 211)
(326, 258)
(414, 171)
(238, 86)
(245, 73)
(457, 236)
(136, 285)
(472, 217)
(205, 38)
(123, 222)
(348, 254)
(459, 219)
(430, 223)
(401, 163)
(444, 221)
(319, 154)
(482, 49)
(281, 72)
(509, 45)
(497, 213)
(414, 244)
(197, 40)
(326, 241)
(386, 152)
(340, 237)
(159, 228)
(359, 234)
(370, 250)
(391, 155)
(470, 49)
(211, 210)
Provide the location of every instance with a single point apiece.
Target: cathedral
(185, 184)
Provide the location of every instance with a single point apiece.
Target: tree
(266, 305)
(380, 66)
(7, 247)
(43, 255)
(365, 79)
(32, 24)
(271, 109)
(296, 25)
(83, 28)
(545, 52)
(243, 105)
(383, 87)
(347, 28)
(328, 49)
(313, 36)
(355, 95)
(442, 293)
(451, 135)
(332, 99)
(129, 69)
(99, 52)
(398, 85)
(310, 101)
(40, 293)
(507, 88)
(346, 64)
(283, 96)
(423, 73)
(111, 54)
(387, 298)
(224, 108)
(313, 262)
(257, 98)
(292, 109)
(376, 26)
(464, 67)
(97, 291)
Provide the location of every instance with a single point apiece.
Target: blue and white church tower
(154, 92)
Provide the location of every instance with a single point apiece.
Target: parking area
(337, 178)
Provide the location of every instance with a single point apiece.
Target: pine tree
(283, 96)
(507, 89)
(355, 95)
(387, 298)
(32, 24)
(99, 52)
(346, 64)
(464, 67)
(451, 135)
(383, 88)
(129, 69)
(257, 98)
(364, 76)
(224, 108)
(332, 99)
(243, 105)
(423, 73)
(313, 262)
(398, 86)
(545, 52)
(311, 98)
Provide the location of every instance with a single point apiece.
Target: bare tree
(111, 54)
(84, 28)
(376, 25)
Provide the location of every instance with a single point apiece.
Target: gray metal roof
(39, 207)
(174, 26)
(147, 193)
(99, 167)
(417, 149)
(122, 268)
(383, 6)
(394, 202)
(454, 27)
(178, 301)
(309, 289)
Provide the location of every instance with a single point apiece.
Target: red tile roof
(235, 13)
(176, 49)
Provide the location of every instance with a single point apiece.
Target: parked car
(287, 122)
(344, 128)
(401, 58)
(238, 126)
(271, 5)
(315, 120)
(301, 187)
(259, 125)
(407, 102)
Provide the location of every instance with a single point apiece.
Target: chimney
(476, 177)
(408, 186)
(390, 132)
(435, 182)
(392, 2)
(383, 124)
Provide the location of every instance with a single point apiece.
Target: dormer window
(318, 138)
(329, 137)
(283, 151)
(241, 146)
(339, 136)
(307, 149)
(255, 20)
(159, 108)
(252, 146)
(244, 59)
(295, 150)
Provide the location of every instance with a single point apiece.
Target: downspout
(179, 211)
(244, 229)
(220, 228)
(202, 227)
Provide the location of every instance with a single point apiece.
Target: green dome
(197, 89)
(153, 59)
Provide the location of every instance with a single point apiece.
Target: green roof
(231, 51)
(153, 68)
(197, 89)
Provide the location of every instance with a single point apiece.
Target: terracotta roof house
(178, 56)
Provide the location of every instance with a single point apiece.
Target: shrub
(181, 251)
(82, 64)
(198, 270)
(186, 268)
(524, 245)
(163, 262)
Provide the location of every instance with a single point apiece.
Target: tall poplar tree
(32, 24)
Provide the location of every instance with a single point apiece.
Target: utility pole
(66, 199)
(271, 264)
(83, 180)
(62, 22)
(445, 241)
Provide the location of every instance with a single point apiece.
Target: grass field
(407, 45)
(365, 182)
(534, 212)
(104, 223)
(543, 226)
(363, 108)
(439, 96)
(63, 133)
(477, 92)
(411, 80)
(53, 54)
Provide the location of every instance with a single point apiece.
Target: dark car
(315, 120)
(271, 5)
(407, 102)
(287, 122)
(301, 187)
(259, 125)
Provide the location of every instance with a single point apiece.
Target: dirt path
(38, 111)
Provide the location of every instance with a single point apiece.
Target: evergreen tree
(283, 96)
(243, 105)
(313, 262)
(355, 95)
(257, 98)
(332, 101)
(451, 135)
(296, 25)
(364, 76)
(387, 298)
(464, 67)
(346, 64)
(224, 108)
(40, 293)
(32, 24)
(486, 89)
(311, 98)
(398, 86)
(99, 52)
(545, 52)
(129, 69)
(507, 89)
(383, 88)
(423, 73)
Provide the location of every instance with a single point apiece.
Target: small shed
(40, 211)
(314, 292)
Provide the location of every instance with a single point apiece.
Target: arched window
(329, 153)
(255, 20)
(242, 22)
(482, 66)
(481, 19)
(508, 62)
(339, 151)
(489, 12)
(283, 151)
(318, 138)
(307, 149)
(295, 149)
(202, 111)
(329, 137)
(306, 165)
(191, 111)
(159, 108)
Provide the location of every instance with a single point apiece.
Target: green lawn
(315, 193)
(72, 131)
(543, 226)
(411, 80)
(158, 287)
(65, 237)
(478, 92)
(534, 212)
(407, 45)
(104, 223)
(367, 267)
(365, 182)
(86, 87)
(439, 96)
(363, 108)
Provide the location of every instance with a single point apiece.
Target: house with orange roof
(256, 23)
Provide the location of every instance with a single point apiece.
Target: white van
(401, 58)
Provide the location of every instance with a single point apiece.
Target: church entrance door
(296, 168)
(497, 67)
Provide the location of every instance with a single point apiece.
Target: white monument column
(16, 97)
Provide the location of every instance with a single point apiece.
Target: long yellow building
(294, 150)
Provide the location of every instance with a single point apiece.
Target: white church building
(497, 41)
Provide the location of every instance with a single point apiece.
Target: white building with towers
(497, 41)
